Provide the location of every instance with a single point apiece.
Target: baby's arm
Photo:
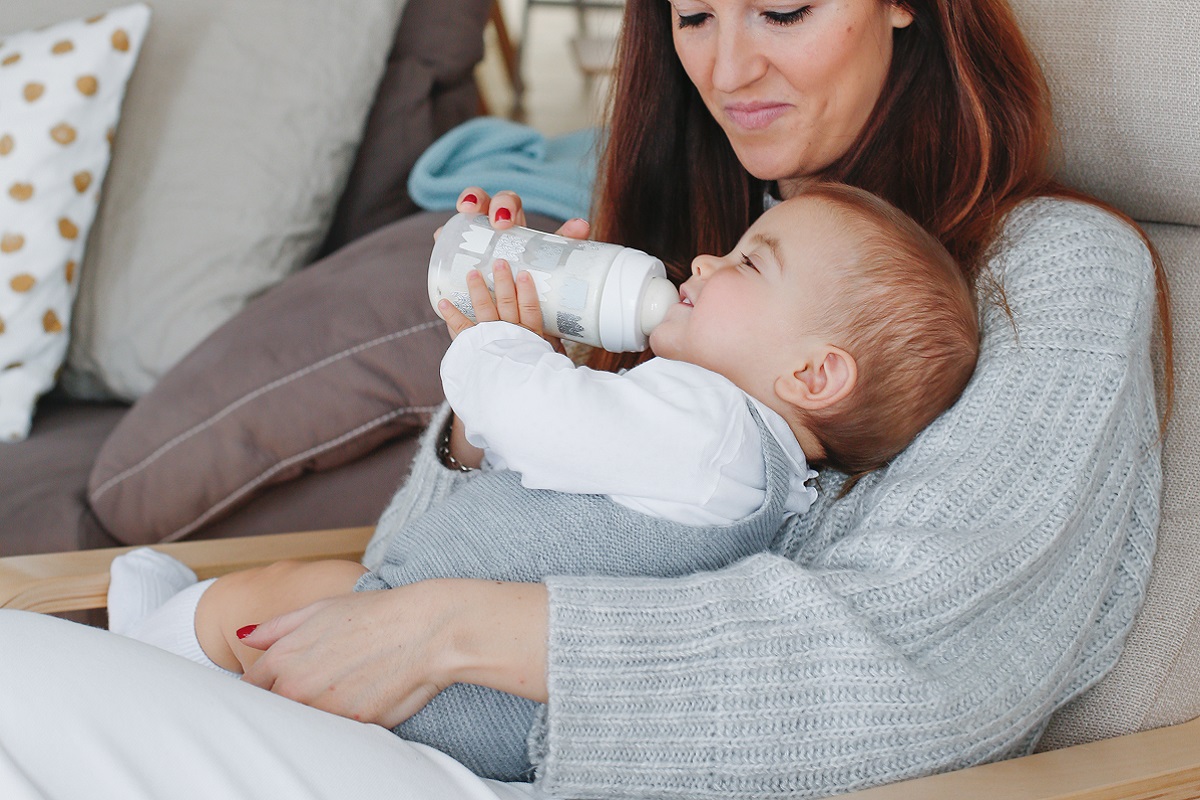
(662, 430)
(249, 597)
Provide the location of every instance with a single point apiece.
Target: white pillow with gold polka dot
(61, 89)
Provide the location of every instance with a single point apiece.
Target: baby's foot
(140, 582)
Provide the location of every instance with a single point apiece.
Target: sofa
(290, 333)
(1127, 91)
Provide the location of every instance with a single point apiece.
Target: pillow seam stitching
(266, 474)
(248, 398)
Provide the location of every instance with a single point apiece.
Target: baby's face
(747, 314)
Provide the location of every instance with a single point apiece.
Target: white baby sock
(152, 598)
(140, 582)
(173, 627)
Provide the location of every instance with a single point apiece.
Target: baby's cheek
(660, 340)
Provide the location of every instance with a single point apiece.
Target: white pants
(87, 713)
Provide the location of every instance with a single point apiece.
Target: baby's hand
(516, 301)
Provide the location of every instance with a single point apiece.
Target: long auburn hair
(962, 133)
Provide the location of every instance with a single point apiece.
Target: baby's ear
(825, 378)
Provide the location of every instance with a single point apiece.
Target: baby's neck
(814, 451)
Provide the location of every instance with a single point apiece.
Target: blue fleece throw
(553, 176)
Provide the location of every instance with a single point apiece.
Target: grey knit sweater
(495, 528)
(934, 617)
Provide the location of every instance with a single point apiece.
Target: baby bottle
(600, 294)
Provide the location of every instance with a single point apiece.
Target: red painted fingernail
(472, 199)
(503, 214)
(242, 633)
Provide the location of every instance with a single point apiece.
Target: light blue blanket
(553, 176)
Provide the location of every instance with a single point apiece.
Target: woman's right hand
(505, 210)
(381, 656)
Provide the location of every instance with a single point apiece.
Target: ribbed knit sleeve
(429, 482)
(934, 617)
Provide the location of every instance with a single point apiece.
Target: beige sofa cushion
(240, 126)
(1126, 84)
(1156, 681)
(1126, 88)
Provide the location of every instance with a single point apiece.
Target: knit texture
(493, 527)
(933, 618)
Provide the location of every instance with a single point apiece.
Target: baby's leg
(257, 595)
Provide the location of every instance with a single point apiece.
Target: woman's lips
(755, 116)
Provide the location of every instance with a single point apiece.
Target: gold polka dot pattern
(63, 133)
(23, 282)
(60, 96)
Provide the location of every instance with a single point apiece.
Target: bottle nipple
(660, 295)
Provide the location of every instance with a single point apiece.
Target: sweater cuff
(429, 483)
(616, 723)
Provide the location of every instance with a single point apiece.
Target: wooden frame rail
(1162, 764)
(78, 581)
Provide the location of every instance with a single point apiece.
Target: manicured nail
(472, 199)
(499, 264)
(503, 215)
(242, 633)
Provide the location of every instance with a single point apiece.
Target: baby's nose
(703, 266)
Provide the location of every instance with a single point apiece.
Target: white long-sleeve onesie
(666, 438)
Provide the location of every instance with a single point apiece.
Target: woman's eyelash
(788, 17)
(775, 17)
(747, 262)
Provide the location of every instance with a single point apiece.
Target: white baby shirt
(666, 438)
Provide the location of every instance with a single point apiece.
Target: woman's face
(791, 82)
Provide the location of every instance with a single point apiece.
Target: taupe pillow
(318, 371)
(239, 128)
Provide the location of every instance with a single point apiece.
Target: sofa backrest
(427, 89)
(1126, 86)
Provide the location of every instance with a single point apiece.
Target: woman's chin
(762, 160)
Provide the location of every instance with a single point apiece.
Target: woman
(931, 618)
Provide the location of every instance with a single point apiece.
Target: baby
(833, 334)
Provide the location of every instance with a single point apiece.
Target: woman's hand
(504, 210)
(381, 656)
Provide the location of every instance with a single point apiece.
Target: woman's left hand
(381, 656)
